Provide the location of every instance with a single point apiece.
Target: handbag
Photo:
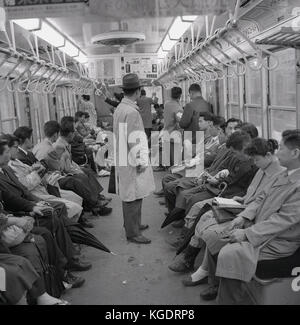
(112, 188)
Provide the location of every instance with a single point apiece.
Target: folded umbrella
(176, 215)
(191, 231)
(80, 236)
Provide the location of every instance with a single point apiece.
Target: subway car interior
(67, 76)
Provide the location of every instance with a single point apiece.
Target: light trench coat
(129, 153)
(274, 235)
(33, 182)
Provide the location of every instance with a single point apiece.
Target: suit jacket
(15, 196)
(190, 118)
(66, 162)
(28, 159)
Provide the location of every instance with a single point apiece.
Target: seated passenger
(69, 167)
(80, 126)
(20, 238)
(16, 199)
(263, 153)
(229, 129)
(23, 281)
(210, 158)
(32, 178)
(76, 183)
(268, 229)
(239, 173)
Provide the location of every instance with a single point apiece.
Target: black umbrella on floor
(191, 231)
(80, 236)
(175, 215)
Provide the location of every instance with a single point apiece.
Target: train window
(253, 92)
(282, 94)
(253, 87)
(233, 96)
(283, 80)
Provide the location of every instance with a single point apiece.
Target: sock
(199, 275)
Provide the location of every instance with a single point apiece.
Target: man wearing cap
(134, 175)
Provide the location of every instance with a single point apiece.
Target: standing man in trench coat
(134, 175)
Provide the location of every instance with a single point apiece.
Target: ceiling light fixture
(29, 24)
(70, 49)
(178, 28)
(50, 35)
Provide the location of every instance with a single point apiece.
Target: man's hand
(237, 223)
(212, 180)
(141, 169)
(237, 236)
(43, 204)
(38, 167)
(38, 210)
(238, 199)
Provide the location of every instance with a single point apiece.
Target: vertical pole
(225, 98)
(264, 87)
(241, 96)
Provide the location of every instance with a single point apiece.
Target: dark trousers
(56, 225)
(79, 185)
(132, 213)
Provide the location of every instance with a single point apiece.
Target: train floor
(137, 275)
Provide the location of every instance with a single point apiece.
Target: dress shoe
(188, 282)
(144, 227)
(159, 169)
(102, 211)
(74, 281)
(105, 211)
(140, 240)
(175, 243)
(160, 193)
(178, 224)
(85, 224)
(78, 266)
(180, 266)
(210, 293)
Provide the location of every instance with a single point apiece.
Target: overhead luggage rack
(287, 36)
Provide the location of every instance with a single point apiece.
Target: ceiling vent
(118, 38)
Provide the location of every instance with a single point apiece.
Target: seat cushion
(281, 268)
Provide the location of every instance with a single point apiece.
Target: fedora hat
(131, 81)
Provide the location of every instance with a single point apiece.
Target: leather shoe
(74, 281)
(190, 283)
(103, 211)
(140, 240)
(84, 223)
(144, 227)
(160, 193)
(178, 224)
(78, 266)
(210, 294)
